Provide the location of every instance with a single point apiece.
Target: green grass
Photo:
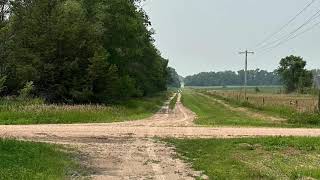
(253, 158)
(173, 102)
(36, 112)
(295, 119)
(27, 160)
(281, 111)
(213, 113)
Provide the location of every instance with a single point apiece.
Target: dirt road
(127, 151)
(178, 124)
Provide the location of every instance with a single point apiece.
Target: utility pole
(319, 101)
(246, 71)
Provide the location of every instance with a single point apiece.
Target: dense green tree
(78, 51)
(293, 73)
(173, 78)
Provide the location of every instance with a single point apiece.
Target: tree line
(174, 78)
(291, 73)
(225, 78)
(79, 51)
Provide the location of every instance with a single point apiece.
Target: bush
(27, 90)
(257, 90)
(2, 83)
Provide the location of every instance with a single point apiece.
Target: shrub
(2, 83)
(257, 90)
(27, 90)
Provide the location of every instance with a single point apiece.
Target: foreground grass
(213, 113)
(15, 112)
(253, 158)
(27, 160)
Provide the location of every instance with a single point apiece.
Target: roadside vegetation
(35, 111)
(173, 101)
(252, 158)
(28, 160)
(209, 112)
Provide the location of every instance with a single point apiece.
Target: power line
(313, 17)
(285, 25)
(293, 37)
(288, 37)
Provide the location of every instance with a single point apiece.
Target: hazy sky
(206, 35)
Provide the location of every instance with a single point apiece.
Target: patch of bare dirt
(130, 158)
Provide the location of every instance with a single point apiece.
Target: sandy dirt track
(128, 159)
(128, 151)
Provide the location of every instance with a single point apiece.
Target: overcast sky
(206, 35)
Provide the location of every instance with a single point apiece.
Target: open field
(263, 89)
(211, 112)
(267, 96)
(253, 158)
(27, 160)
(298, 102)
(292, 115)
(36, 112)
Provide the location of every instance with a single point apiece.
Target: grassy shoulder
(253, 158)
(173, 102)
(212, 113)
(28, 160)
(36, 112)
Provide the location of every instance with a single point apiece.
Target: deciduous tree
(293, 73)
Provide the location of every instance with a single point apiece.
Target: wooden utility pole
(319, 101)
(317, 85)
(246, 71)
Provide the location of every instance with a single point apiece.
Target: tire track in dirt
(158, 173)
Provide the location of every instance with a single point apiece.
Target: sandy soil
(128, 159)
(128, 151)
